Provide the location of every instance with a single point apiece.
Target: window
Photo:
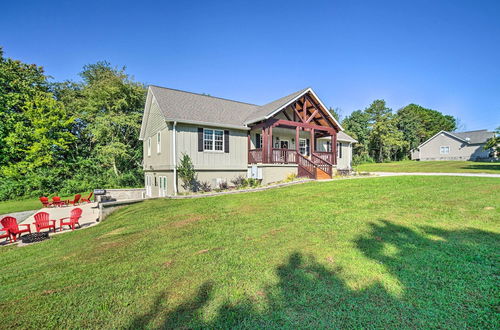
(213, 140)
(149, 146)
(328, 146)
(284, 144)
(444, 150)
(304, 147)
(339, 150)
(158, 142)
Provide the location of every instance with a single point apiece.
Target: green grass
(27, 204)
(432, 166)
(413, 252)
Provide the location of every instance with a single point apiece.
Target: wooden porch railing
(327, 156)
(306, 168)
(322, 164)
(283, 156)
(254, 156)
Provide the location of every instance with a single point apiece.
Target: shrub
(239, 182)
(223, 185)
(186, 172)
(291, 177)
(251, 182)
(362, 159)
(205, 186)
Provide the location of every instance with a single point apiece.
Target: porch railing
(327, 156)
(283, 156)
(254, 156)
(306, 168)
(322, 164)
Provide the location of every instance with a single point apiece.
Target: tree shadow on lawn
(447, 279)
(486, 167)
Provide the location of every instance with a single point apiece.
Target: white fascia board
(203, 123)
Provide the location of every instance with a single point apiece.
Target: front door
(163, 186)
(304, 147)
(284, 144)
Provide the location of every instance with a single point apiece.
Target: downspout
(174, 155)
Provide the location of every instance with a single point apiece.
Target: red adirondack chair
(74, 201)
(74, 217)
(45, 201)
(10, 223)
(87, 200)
(6, 235)
(56, 201)
(43, 221)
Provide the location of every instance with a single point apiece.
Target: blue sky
(444, 55)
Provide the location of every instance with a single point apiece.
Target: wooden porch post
(271, 145)
(264, 145)
(312, 141)
(297, 139)
(334, 148)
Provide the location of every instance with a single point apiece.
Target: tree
(336, 113)
(494, 143)
(418, 124)
(186, 172)
(385, 138)
(357, 126)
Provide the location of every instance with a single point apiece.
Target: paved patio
(90, 214)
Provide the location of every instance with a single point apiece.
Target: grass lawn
(432, 166)
(374, 252)
(27, 204)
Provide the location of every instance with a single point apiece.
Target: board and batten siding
(156, 123)
(235, 159)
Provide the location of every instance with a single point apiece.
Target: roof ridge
(199, 94)
(477, 130)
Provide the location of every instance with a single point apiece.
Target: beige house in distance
(225, 139)
(455, 146)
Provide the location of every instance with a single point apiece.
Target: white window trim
(149, 146)
(213, 140)
(158, 143)
(441, 150)
(307, 150)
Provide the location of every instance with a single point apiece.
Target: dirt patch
(113, 232)
(66, 288)
(168, 263)
(489, 208)
(189, 218)
(207, 250)
(330, 259)
(273, 232)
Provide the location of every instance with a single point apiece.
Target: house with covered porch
(225, 139)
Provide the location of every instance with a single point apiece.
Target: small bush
(251, 182)
(205, 186)
(362, 159)
(223, 185)
(291, 177)
(239, 182)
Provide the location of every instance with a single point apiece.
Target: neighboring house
(455, 146)
(225, 139)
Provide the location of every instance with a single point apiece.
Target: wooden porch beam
(303, 125)
(312, 116)
(320, 112)
(298, 114)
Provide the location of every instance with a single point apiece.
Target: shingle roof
(474, 137)
(341, 136)
(181, 105)
(177, 105)
(268, 108)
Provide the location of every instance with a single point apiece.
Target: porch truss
(302, 115)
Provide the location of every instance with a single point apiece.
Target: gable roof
(470, 137)
(342, 136)
(474, 137)
(187, 107)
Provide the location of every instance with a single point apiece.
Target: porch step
(322, 175)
